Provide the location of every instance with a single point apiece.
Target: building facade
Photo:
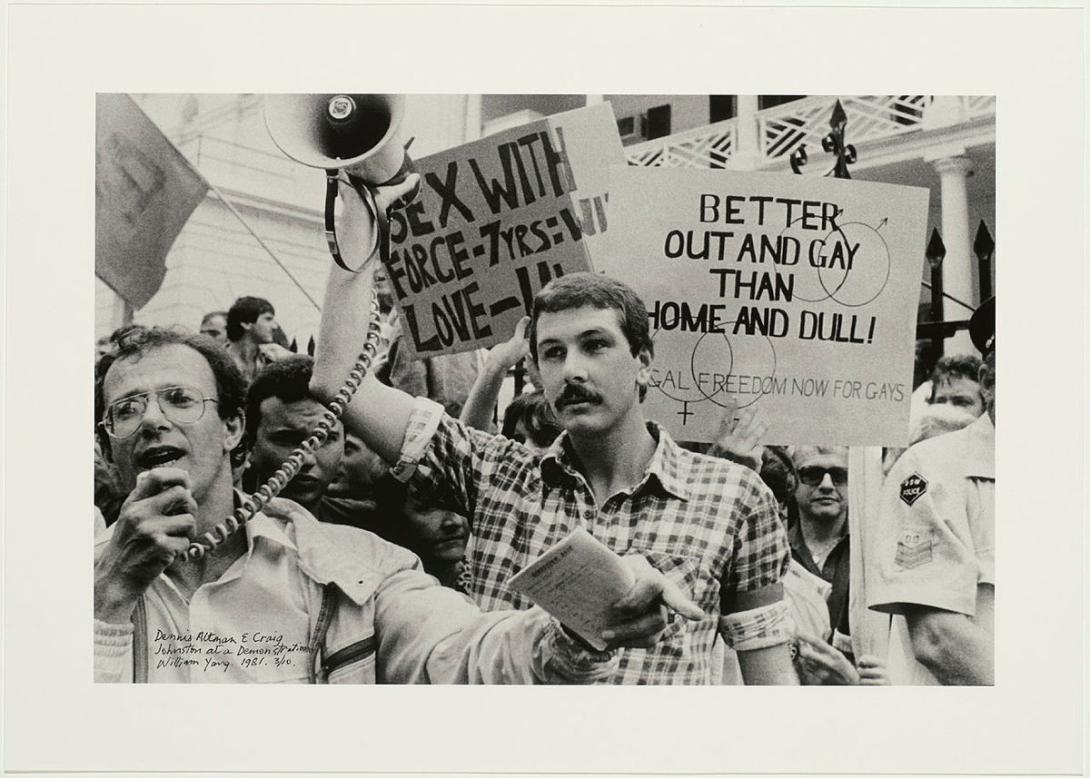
(945, 144)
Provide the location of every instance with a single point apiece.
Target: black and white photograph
(672, 364)
(674, 369)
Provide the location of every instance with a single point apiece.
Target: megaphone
(356, 133)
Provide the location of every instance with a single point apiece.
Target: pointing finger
(676, 600)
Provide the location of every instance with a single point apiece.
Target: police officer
(932, 555)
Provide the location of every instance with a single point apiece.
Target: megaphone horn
(356, 133)
(350, 132)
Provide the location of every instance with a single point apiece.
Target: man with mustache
(708, 525)
(819, 539)
(285, 598)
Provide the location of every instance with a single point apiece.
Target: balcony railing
(708, 146)
(782, 129)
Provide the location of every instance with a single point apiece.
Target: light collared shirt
(224, 633)
(371, 613)
(934, 543)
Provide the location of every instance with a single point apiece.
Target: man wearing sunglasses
(819, 539)
(286, 599)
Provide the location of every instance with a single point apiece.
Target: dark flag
(145, 191)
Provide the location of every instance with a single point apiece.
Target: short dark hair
(245, 311)
(124, 331)
(534, 411)
(138, 341)
(953, 367)
(287, 379)
(576, 290)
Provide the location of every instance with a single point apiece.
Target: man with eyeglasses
(819, 539)
(286, 599)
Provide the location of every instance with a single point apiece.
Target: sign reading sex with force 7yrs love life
(496, 220)
(795, 293)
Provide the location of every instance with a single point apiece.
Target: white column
(473, 118)
(957, 271)
(747, 151)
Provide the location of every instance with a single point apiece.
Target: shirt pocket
(690, 574)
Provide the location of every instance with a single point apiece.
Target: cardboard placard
(798, 293)
(495, 221)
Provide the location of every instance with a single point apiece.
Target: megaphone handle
(382, 222)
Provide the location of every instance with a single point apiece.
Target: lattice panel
(785, 127)
(709, 147)
(979, 105)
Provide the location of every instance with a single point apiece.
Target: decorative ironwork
(798, 159)
(784, 129)
(983, 247)
(936, 253)
(833, 143)
(804, 122)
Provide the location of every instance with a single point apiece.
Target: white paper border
(59, 55)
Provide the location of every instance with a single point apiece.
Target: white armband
(423, 421)
(756, 628)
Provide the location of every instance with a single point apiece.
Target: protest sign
(795, 292)
(495, 221)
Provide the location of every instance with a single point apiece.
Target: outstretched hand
(506, 355)
(819, 664)
(741, 433)
(644, 613)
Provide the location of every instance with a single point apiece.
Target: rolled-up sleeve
(440, 452)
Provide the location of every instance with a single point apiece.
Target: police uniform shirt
(935, 540)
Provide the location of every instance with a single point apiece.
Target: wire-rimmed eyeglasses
(179, 404)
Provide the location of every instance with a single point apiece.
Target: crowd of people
(388, 556)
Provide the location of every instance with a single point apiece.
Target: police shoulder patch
(913, 488)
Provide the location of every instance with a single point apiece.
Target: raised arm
(378, 414)
(477, 412)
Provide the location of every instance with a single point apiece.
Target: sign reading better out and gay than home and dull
(495, 221)
(797, 293)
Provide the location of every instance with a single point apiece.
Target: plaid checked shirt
(707, 524)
